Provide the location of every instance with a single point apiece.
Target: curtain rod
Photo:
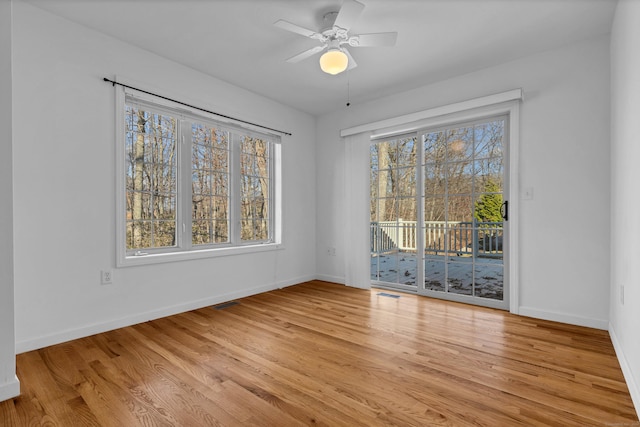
(197, 108)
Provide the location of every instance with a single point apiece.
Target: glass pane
(201, 182)
(138, 234)
(460, 277)
(408, 265)
(260, 208)
(375, 263)
(380, 240)
(434, 180)
(220, 183)
(201, 206)
(487, 209)
(489, 174)
(221, 231)
(388, 209)
(406, 180)
(385, 183)
(260, 229)
(434, 237)
(201, 232)
(460, 209)
(164, 233)
(219, 160)
(221, 140)
(209, 231)
(460, 177)
(252, 187)
(407, 210)
(435, 148)
(164, 206)
(434, 274)
(389, 268)
(489, 281)
(385, 150)
(246, 230)
(490, 241)
(254, 229)
(460, 239)
(254, 146)
(373, 194)
(373, 156)
(248, 165)
(489, 139)
(257, 208)
(434, 209)
(459, 144)
(205, 158)
(373, 210)
(406, 152)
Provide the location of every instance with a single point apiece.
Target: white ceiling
(236, 41)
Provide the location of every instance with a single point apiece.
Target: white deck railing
(440, 237)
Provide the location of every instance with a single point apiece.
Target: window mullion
(420, 223)
(184, 184)
(235, 222)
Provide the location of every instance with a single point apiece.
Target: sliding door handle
(504, 210)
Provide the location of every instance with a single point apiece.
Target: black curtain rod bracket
(114, 83)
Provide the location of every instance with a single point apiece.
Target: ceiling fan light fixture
(334, 61)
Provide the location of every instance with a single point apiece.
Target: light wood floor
(324, 354)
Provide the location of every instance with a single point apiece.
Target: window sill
(160, 258)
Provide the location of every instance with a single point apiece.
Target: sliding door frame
(510, 109)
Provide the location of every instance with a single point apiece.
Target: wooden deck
(325, 354)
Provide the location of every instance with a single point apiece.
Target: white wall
(9, 385)
(564, 157)
(625, 200)
(64, 187)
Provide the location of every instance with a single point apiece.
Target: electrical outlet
(105, 277)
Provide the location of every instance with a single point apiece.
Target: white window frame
(184, 250)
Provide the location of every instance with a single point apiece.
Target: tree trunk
(138, 155)
(383, 170)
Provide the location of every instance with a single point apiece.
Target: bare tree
(138, 179)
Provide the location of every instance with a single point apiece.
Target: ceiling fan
(334, 36)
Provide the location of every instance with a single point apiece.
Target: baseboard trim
(329, 278)
(563, 318)
(296, 281)
(10, 389)
(634, 388)
(96, 328)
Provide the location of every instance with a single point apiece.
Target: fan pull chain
(348, 89)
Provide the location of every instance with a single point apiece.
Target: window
(190, 186)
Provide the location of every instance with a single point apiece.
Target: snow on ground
(460, 271)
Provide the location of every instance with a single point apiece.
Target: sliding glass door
(438, 212)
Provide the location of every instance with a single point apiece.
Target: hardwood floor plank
(328, 355)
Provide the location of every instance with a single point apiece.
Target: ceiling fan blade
(348, 14)
(373, 39)
(352, 62)
(307, 53)
(288, 26)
